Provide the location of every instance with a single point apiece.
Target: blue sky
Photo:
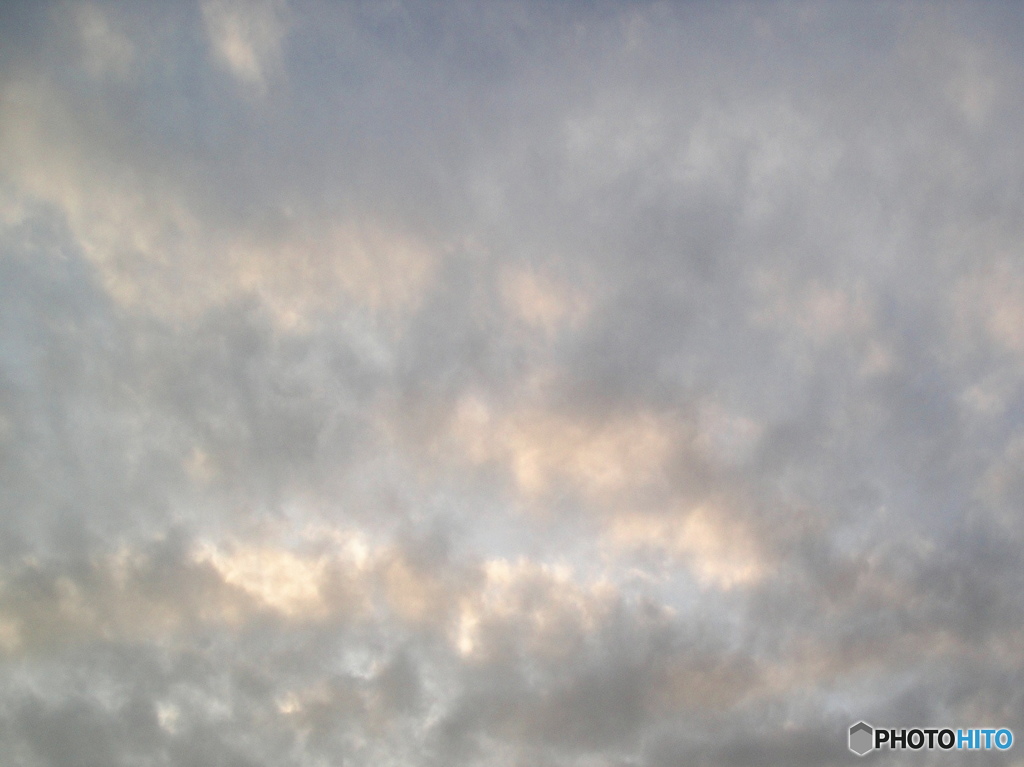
(522, 383)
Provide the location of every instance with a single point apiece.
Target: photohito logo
(863, 738)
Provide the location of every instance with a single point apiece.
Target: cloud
(541, 449)
(105, 50)
(506, 383)
(246, 38)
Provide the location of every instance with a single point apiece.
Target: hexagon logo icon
(861, 738)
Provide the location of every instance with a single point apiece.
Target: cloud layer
(508, 383)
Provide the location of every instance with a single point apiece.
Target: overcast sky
(512, 384)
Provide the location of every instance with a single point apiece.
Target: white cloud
(247, 37)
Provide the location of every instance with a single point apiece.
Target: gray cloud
(507, 383)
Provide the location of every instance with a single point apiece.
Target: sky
(508, 384)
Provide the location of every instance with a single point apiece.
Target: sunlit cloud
(541, 449)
